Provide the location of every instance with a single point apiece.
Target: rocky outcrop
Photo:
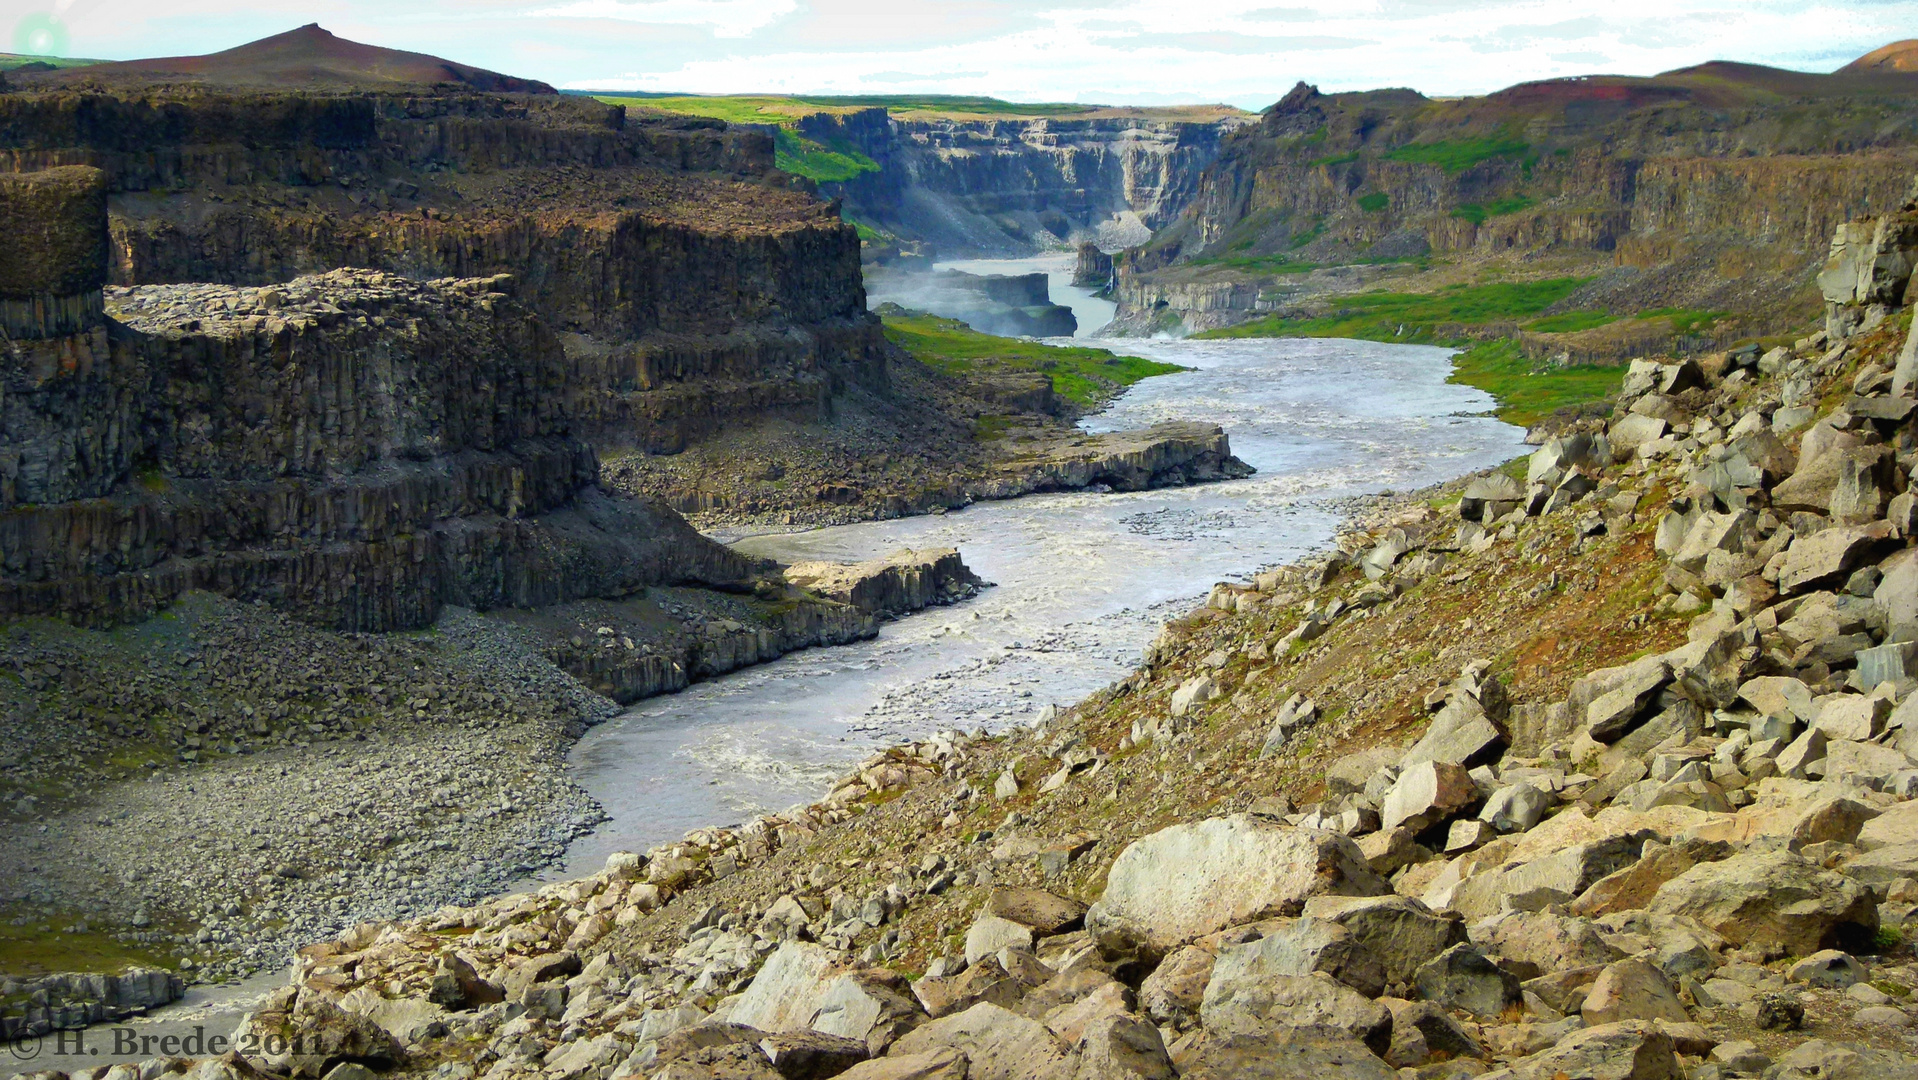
(1093, 268)
(355, 447)
(902, 582)
(32, 1008)
(1010, 305)
(1164, 455)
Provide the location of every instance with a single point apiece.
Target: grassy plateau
(1087, 377)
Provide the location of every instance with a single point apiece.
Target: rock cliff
(1713, 188)
(1017, 186)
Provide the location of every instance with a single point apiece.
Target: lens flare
(40, 34)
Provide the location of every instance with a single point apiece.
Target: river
(1083, 580)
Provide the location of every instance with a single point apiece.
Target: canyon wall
(704, 287)
(1709, 189)
(1013, 187)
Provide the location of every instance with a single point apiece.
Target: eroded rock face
(378, 448)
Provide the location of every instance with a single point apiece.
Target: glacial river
(1083, 580)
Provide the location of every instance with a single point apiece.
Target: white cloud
(726, 18)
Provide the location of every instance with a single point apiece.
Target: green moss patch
(1088, 377)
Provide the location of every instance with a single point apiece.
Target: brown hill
(1897, 56)
(306, 57)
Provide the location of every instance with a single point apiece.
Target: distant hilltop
(307, 57)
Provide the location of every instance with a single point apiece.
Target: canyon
(353, 405)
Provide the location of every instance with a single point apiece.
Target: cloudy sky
(1246, 52)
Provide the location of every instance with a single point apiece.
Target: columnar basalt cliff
(695, 280)
(1713, 188)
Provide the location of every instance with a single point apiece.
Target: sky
(1144, 52)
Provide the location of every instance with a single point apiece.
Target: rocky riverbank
(1599, 769)
(296, 781)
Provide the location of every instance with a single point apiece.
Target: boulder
(1779, 695)
(1827, 555)
(1189, 880)
(1884, 867)
(1192, 693)
(1852, 716)
(944, 1064)
(787, 992)
(990, 933)
(1461, 734)
(1462, 978)
(1631, 1050)
(1307, 946)
(1283, 1055)
(1817, 1059)
(1433, 1027)
(811, 1055)
(1775, 901)
(999, 1044)
(1043, 912)
(1632, 990)
(1896, 596)
(1401, 932)
(1173, 992)
(1634, 886)
(1631, 690)
(1427, 793)
(870, 1006)
(1123, 1048)
(1569, 871)
(1244, 999)
(314, 1035)
(1534, 943)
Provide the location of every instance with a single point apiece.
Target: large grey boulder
(943, 1064)
(1427, 793)
(1819, 1059)
(1308, 946)
(1462, 733)
(1000, 1044)
(1401, 932)
(788, 989)
(874, 1007)
(1827, 555)
(1462, 978)
(1173, 992)
(1775, 901)
(1186, 881)
(1534, 943)
(1043, 912)
(1570, 871)
(1632, 1050)
(1123, 1048)
(1244, 998)
(1284, 1055)
(1632, 990)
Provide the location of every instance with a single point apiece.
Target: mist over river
(1084, 581)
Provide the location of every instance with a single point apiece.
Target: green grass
(1375, 202)
(1571, 322)
(1478, 213)
(1087, 377)
(1457, 155)
(1526, 396)
(801, 156)
(1412, 317)
(9, 61)
(1285, 264)
(1335, 159)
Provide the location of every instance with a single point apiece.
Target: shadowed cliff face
(704, 287)
(354, 447)
(1715, 187)
(1013, 187)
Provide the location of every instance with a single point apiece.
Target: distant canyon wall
(1013, 187)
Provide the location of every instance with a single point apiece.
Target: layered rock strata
(355, 447)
